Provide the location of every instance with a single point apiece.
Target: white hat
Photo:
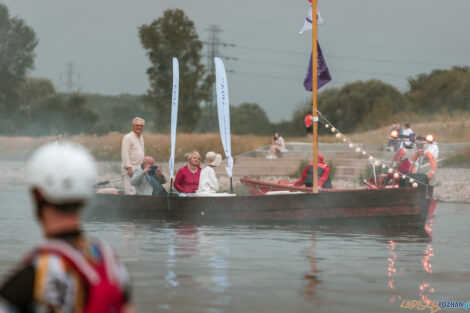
(213, 159)
(63, 172)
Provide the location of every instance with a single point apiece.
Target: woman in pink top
(187, 178)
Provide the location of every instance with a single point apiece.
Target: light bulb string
(334, 129)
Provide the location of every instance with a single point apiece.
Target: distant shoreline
(453, 184)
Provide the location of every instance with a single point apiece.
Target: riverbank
(453, 184)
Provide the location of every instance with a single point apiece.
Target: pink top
(187, 181)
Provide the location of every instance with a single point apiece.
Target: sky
(361, 40)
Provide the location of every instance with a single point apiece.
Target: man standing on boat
(68, 272)
(323, 175)
(132, 153)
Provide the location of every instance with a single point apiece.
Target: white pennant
(174, 114)
(223, 108)
(308, 20)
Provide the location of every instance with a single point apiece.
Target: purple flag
(323, 73)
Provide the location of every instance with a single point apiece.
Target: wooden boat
(258, 187)
(402, 206)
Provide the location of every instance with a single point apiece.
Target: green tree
(174, 35)
(17, 44)
(441, 90)
(249, 118)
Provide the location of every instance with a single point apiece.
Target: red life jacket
(103, 281)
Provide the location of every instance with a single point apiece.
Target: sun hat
(213, 159)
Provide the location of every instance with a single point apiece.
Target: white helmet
(63, 172)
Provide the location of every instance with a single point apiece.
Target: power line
(70, 75)
(329, 55)
(213, 44)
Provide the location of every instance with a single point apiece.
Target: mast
(314, 95)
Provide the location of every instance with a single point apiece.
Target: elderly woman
(187, 178)
(208, 184)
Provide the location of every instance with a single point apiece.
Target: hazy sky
(361, 39)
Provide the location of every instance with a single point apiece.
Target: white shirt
(407, 132)
(434, 149)
(132, 151)
(207, 182)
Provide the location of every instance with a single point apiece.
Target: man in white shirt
(132, 153)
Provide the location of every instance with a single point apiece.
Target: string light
(371, 158)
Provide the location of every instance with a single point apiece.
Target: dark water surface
(239, 268)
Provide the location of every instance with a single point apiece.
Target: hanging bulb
(415, 185)
(403, 177)
(344, 139)
(364, 153)
(377, 163)
(411, 180)
(396, 175)
(338, 135)
(390, 171)
(358, 150)
(351, 145)
(383, 165)
(371, 158)
(326, 125)
(333, 129)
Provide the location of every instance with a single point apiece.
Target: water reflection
(425, 287)
(309, 291)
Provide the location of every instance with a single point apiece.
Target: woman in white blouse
(208, 184)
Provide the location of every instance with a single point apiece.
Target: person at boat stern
(68, 272)
(323, 175)
(208, 184)
(148, 180)
(187, 178)
(132, 153)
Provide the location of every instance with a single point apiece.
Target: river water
(239, 268)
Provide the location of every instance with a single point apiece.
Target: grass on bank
(446, 128)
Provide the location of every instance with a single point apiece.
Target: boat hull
(402, 206)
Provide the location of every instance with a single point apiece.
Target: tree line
(31, 106)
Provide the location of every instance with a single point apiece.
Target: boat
(387, 207)
(259, 187)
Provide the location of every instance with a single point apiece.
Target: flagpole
(314, 95)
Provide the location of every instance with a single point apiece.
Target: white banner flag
(308, 20)
(174, 113)
(223, 108)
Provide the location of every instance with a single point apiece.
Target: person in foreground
(68, 272)
(148, 180)
(323, 175)
(132, 153)
(208, 184)
(187, 178)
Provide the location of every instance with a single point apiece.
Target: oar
(102, 183)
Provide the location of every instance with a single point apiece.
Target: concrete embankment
(453, 184)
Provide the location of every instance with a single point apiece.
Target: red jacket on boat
(323, 176)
